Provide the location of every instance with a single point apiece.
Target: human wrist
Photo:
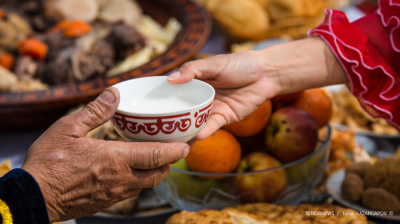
(299, 65)
(47, 192)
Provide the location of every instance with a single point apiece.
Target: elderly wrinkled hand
(80, 176)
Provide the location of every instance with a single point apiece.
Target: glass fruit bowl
(193, 191)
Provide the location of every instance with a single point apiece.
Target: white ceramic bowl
(152, 109)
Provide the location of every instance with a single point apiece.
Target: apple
(181, 164)
(291, 134)
(188, 185)
(260, 187)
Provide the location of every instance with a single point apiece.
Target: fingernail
(107, 97)
(186, 151)
(174, 75)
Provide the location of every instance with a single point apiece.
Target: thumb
(200, 69)
(93, 115)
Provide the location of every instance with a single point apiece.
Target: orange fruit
(317, 103)
(252, 124)
(219, 153)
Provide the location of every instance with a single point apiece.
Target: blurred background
(57, 55)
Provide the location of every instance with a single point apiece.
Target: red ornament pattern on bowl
(202, 118)
(154, 126)
(164, 124)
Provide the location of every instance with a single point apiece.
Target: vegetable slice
(33, 47)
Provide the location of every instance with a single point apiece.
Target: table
(14, 145)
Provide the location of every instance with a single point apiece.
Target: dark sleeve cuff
(21, 194)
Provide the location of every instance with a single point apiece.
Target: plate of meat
(56, 54)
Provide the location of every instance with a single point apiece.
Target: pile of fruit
(282, 130)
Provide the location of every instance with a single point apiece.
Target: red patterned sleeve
(369, 51)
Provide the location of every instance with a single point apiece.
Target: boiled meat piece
(127, 40)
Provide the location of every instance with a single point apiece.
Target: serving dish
(334, 184)
(367, 132)
(349, 114)
(29, 110)
(188, 190)
(152, 109)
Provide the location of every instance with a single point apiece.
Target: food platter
(28, 110)
(366, 132)
(334, 188)
(348, 114)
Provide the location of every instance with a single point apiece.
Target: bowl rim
(203, 104)
(196, 28)
(286, 165)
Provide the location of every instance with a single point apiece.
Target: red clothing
(369, 51)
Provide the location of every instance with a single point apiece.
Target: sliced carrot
(33, 47)
(77, 28)
(6, 60)
(60, 26)
(2, 13)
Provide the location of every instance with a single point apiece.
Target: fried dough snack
(263, 213)
(348, 111)
(201, 217)
(345, 151)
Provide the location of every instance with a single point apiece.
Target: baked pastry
(263, 3)
(263, 213)
(240, 18)
(201, 217)
(296, 28)
(284, 9)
